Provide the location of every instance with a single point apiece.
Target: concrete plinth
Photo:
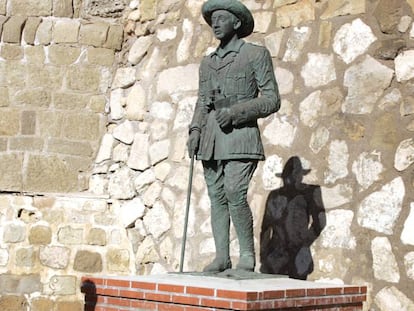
(192, 292)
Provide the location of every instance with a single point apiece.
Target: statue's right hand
(193, 142)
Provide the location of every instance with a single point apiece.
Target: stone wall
(49, 242)
(56, 64)
(345, 73)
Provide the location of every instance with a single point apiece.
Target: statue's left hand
(223, 117)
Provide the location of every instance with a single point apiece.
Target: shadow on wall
(293, 219)
(89, 289)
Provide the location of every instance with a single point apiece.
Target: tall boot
(243, 223)
(220, 223)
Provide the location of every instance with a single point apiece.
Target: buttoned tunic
(240, 74)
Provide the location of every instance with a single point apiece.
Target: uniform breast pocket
(236, 84)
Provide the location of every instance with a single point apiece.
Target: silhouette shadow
(89, 289)
(294, 217)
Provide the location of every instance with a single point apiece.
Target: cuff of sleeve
(194, 128)
(238, 116)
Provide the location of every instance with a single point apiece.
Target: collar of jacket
(234, 47)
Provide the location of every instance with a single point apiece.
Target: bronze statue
(224, 133)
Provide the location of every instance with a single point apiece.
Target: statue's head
(236, 8)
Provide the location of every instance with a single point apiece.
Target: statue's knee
(233, 195)
(217, 195)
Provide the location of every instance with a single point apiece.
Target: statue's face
(223, 24)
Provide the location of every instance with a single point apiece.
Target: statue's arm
(269, 100)
(200, 110)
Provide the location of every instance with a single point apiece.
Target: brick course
(177, 292)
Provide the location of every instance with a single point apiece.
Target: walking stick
(187, 209)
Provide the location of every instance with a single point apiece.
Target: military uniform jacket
(241, 73)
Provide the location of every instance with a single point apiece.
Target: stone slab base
(192, 292)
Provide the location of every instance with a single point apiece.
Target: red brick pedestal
(185, 292)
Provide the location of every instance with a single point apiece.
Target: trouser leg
(237, 176)
(220, 216)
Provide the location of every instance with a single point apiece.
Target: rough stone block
(124, 78)
(30, 28)
(82, 127)
(3, 19)
(148, 10)
(49, 174)
(97, 103)
(84, 79)
(56, 257)
(95, 205)
(178, 79)
(15, 73)
(295, 14)
(50, 123)
(40, 235)
(54, 217)
(139, 49)
(11, 52)
(86, 261)
(66, 31)
(49, 76)
(325, 31)
(3, 144)
(4, 96)
(3, 9)
(104, 8)
(343, 7)
(75, 148)
(41, 304)
(411, 4)
(28, 126)
(114, 38)
(26, 257)
(70, 101)
(69, 306)
(43, 202)
(63, 54)
(61, 285)
(22, 143)
(14, 232)
(34, 54)
(12, 303)
(11, 167)
(389, 49)
(118, 260)
(44, 32)
(63, 8)
(12, 29)
(70, 235)
(78, 217)
(388, 13)
(101, 56)
(104, 220)
(39, 97)
(96, 236)
(20, 284)
(31, 7)
(93, 34)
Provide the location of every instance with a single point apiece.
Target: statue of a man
(224, 133)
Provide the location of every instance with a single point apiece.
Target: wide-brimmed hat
(294, 164)
(235, 7)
